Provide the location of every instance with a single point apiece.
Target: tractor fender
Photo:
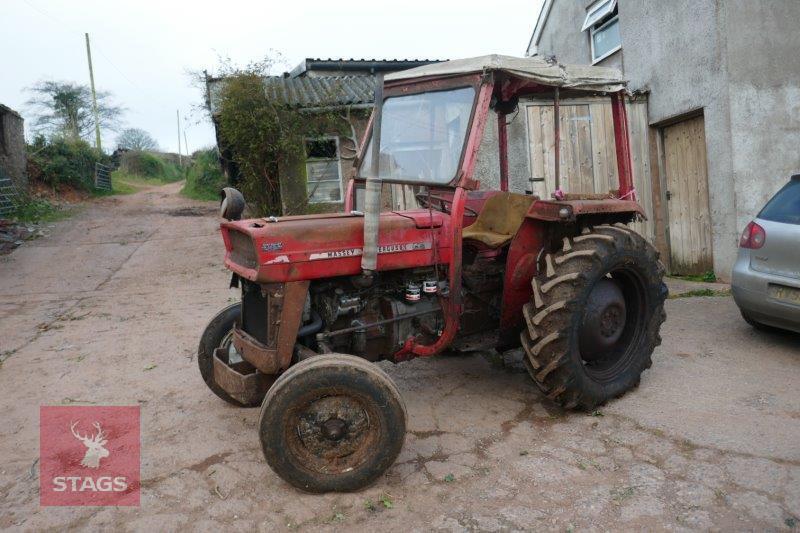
(574, 210)
(539, 226)
(521, 265)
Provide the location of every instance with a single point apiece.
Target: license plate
(782, 292)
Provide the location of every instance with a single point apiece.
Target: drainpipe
(372, 197)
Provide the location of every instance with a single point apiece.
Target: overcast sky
(143, 49)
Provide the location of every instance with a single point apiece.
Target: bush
(60, 161)
(266, 138)
(148, 165)
(29, 208)
(204, 179)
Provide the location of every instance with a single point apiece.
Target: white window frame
(597, 12)
(338, 161)
(596, 29)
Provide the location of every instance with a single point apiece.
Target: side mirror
(231, 204)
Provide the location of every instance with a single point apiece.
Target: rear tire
(594, 318)
(333, 422)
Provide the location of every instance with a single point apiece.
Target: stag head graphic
(94, 446)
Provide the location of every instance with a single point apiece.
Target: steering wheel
(422, 198)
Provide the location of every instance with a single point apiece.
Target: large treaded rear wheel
(594, 317)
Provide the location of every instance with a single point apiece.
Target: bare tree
(65, 109)
(136, 139)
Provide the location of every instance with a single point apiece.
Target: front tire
(333, 422)
(594, 318)
(217, 334)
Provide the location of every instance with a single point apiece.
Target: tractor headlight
(231, 204)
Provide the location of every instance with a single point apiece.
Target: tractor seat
(499, 220)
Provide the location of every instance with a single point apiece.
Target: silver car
(766, 276)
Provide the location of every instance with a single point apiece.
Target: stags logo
(83, 467)
(94, 446)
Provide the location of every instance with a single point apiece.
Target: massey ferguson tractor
(326, 296)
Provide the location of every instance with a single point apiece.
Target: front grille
(243, 251)
(254, 311)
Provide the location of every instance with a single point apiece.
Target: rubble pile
(12, 234)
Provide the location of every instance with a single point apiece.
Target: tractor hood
(294, 248)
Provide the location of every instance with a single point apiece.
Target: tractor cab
(430, 120)
(466, 264)
(424, 137)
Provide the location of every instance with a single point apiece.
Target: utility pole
(180, 158)
(94, 97)
(185, 144)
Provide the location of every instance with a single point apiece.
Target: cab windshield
(422, 136)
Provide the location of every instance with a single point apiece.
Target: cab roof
(544, 72)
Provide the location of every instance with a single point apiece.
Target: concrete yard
(108, 309)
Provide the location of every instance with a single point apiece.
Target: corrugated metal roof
(346, 67)
(323, 91)
(377, 60)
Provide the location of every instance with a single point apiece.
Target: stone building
(12, 147)
(719, 82)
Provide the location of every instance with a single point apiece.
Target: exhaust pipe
(372, 197)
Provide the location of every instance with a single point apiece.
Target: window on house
(323, 179)
(603, 25)
(597, 12)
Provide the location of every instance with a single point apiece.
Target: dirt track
(711, 439)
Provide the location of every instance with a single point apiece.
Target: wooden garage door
(689, 221)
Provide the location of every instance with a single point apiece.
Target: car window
(784, 206)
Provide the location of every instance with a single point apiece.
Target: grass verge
(125, 183)
(705, 277)
(701, 293)
(204, 178)
(191, 190)
(32, 210)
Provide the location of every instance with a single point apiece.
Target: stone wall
(12, 147)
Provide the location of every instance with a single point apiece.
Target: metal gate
(102, 176)
(8, 196)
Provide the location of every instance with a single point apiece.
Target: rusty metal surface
(548, 210)
(334, 432)
(247, 387)
(323, 246)
(260, 356)
(291, 314)
(284, 302)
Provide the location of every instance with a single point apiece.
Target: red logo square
(89, 455)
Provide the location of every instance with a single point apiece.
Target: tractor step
(241, 380)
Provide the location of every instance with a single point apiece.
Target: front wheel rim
(333, 432)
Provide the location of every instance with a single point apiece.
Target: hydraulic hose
(312, 327)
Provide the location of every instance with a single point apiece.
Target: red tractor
(565, 278)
